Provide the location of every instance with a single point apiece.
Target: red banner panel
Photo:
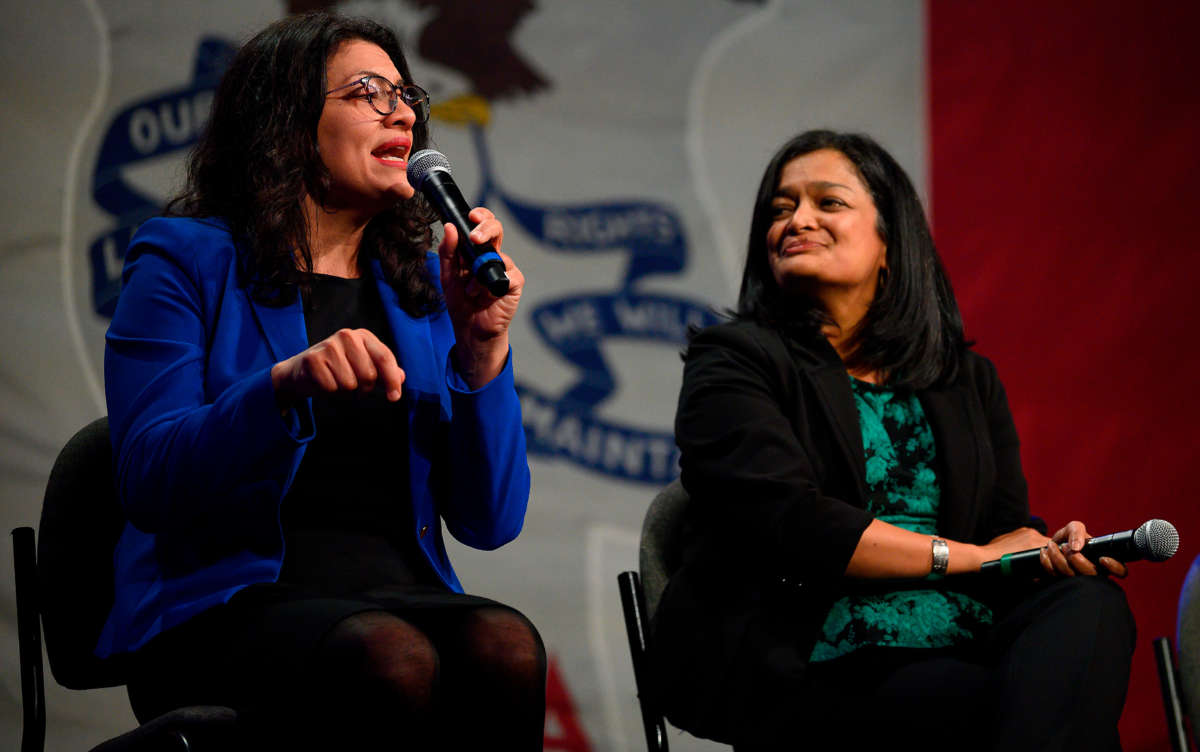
(1064, 172)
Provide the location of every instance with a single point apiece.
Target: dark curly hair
(257, 159)
(912, 331)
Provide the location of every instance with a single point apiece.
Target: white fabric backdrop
(669, 107)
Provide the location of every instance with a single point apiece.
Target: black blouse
(347, 519)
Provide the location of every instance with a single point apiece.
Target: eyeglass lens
(384, 95)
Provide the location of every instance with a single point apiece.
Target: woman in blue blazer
(300, 393)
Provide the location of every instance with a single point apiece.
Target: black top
(347, 519)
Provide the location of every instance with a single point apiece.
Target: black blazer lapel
(959, 435)
(832, 387)
(818, 363)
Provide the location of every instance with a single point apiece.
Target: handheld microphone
(1155, 540)
(429, 172)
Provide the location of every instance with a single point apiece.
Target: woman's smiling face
(823, 234)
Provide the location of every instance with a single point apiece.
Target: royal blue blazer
(203, 456)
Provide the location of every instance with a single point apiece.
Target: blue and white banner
(621, 144)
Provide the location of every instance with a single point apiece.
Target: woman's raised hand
(346, 361)
(480, 319)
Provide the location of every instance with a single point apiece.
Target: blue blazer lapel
(413, 341)
(282, 327)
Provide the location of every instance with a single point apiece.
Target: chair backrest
(81, 522)
(661, 551)
(1188, 643)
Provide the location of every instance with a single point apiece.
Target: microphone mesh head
(424, 162)
(1157, 540)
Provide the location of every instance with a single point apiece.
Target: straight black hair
(912, 331)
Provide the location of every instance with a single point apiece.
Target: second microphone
(1154, 540)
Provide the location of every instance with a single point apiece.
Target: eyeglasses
(384, 96)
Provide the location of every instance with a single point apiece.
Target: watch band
(941, 557)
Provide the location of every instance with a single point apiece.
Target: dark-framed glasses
(384, 96)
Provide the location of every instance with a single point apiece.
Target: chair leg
(633, 603)
(29, 638)
(1168, 678)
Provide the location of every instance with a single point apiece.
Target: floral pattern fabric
(902, 489)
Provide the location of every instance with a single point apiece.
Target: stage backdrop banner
(621, 144)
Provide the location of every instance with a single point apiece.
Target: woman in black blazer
(849, 459)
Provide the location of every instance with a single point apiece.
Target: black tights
(475, 682)
(467, 677)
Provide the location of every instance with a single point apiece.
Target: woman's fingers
(516, 278)
(369, 361)
(347, 360)
(1071, 539)
(488, 230)
(354, 344)
(1074, 533)
(1058, 563)
(1114, 567)
(1080, 563)
(331, 353)
(455, 272)
(449, 245)
(314, 371)
(1064, 555)
(384, 360)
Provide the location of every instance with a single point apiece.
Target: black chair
(1168, 679)
(659, 557)
(67, 585)
(1179, 676)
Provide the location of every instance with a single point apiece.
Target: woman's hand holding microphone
(480, 319)
(1060, 554)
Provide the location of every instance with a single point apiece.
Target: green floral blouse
(902, 489)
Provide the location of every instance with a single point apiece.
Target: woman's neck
(334, 239)
(845, 315)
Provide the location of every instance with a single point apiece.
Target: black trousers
(1051, 674)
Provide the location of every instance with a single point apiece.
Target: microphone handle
(1022, 564)
(1119, 546)
(486, 265)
